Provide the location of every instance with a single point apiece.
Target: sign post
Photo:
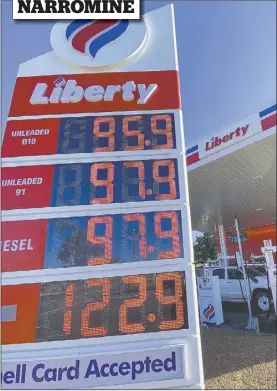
(97, 250)
(240, 260)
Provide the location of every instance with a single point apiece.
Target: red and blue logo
(88, 36)
(192, 155)
(209, 312)
(268, 117)
(98, 43)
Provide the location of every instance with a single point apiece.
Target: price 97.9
(115, 182)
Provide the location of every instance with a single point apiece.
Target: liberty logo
(215, 142)
(88, 36)
(209, 312)
(98, 43)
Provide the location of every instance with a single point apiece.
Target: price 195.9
(117, 133)
(90, 134)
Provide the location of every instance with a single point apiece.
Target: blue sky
(227, 57)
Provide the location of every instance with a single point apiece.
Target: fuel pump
(210, 305)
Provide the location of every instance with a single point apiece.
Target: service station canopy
(235, 173)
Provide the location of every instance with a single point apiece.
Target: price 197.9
(89, 183)
(115, 182)
(91, 240)
(121, 238)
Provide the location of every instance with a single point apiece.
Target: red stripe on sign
(83, 36)
(31, 137)
(193, 158)
(23, 245)
(26, 187)
(97, 92)
(269, 122)
(26, 300)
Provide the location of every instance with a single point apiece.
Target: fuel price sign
(93, 134)
(95, 244)
(100, 307)
(112, 182)
(91, 240)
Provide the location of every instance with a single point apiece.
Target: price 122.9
(112, 306)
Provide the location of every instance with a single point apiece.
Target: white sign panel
(230, 136)
(225, 139)
(96, 370)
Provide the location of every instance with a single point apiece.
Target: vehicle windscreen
(253, 272)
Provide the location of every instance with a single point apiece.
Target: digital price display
(95, 134)
(91, 240)
(123, 238)
(99, 307)
(112, 306)
(89, 183)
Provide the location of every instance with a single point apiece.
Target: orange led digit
(173, 233)
(136, 133)
(109, 135)
(169, 179)
(141, 176)
(103, 182)
(100, 331)
(106, 240)
(142, 230)
(177, 299)
(100, 307)
(67, 319)
(163, 132)
(124, 326)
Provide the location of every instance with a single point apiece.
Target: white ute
(232, 286)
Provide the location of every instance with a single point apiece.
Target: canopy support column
(223, 249)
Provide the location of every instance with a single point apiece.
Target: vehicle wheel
(262, 302)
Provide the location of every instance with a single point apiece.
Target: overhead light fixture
(259, 209)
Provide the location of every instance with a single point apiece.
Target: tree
(205, 247)
(76, 250)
